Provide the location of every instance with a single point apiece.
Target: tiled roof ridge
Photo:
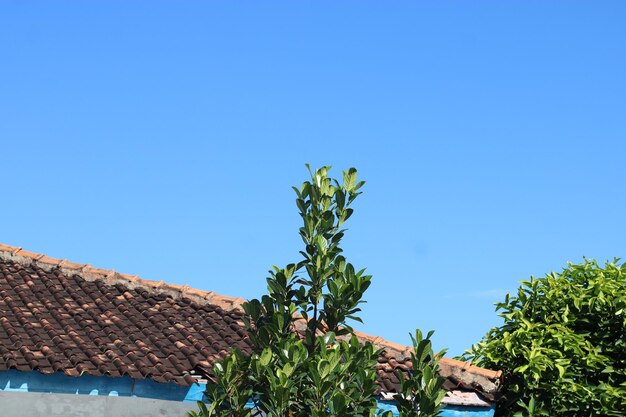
(111, 277)
(463, 372)
(444, 362)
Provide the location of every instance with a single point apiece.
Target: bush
(562, 346)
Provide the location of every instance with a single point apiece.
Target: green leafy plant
(562, 345)
(422, 391)
(306, 360)
(231, 391)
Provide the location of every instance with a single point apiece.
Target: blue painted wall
(92, 385)
(59, 383)
(448, 411)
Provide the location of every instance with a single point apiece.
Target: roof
(60, 316)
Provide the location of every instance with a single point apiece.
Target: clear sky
(162, 139)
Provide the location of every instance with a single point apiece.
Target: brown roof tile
(70, 317)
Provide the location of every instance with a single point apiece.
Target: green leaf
(266, 357)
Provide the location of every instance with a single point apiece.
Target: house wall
(34, 394)
(16, 381)
(448, 410)
(35, 404)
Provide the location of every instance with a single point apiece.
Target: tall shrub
(306, 360)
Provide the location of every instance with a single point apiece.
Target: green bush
(562, 346)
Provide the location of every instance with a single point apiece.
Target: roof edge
(111, 277)
(466, 375)
(406, 350)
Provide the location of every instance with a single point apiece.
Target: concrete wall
(32, 404)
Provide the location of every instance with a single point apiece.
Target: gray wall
(32, 404)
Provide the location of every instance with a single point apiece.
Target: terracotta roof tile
(70, 317)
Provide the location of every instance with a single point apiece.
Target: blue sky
(162, 139)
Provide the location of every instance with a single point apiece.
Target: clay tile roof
(57, 315)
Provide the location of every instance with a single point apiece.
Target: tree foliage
(306, 360)
(563, 344)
